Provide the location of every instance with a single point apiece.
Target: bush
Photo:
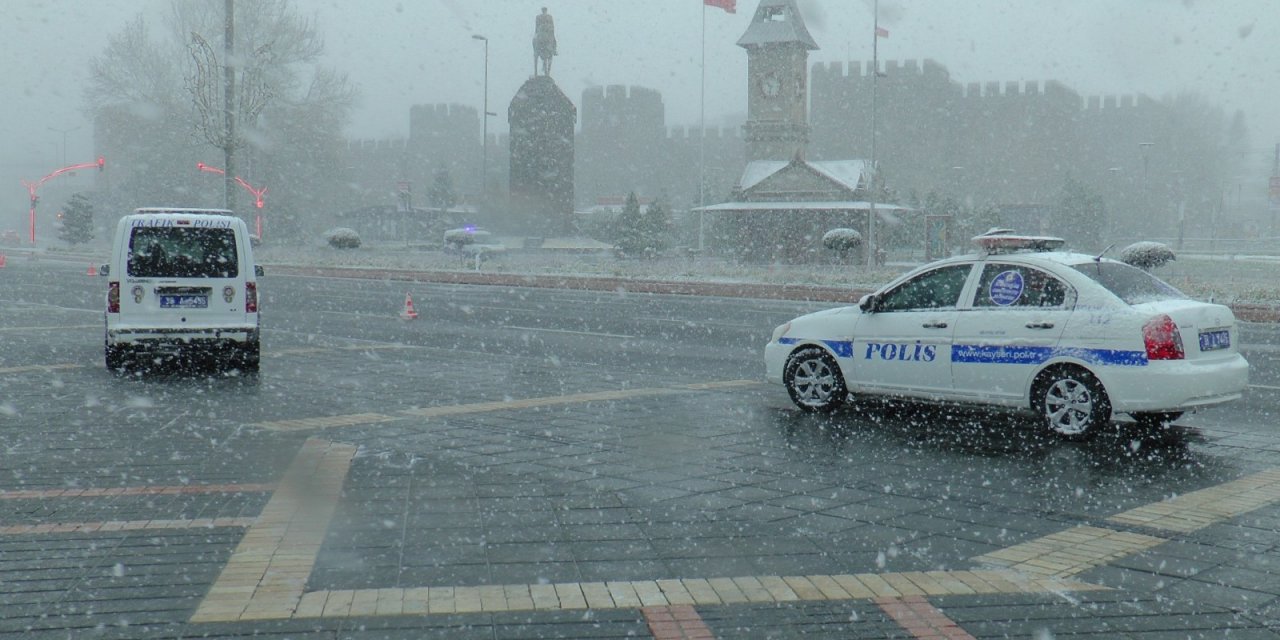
(342, 238)
(1147, 255)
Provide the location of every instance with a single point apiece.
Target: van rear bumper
(161, 338)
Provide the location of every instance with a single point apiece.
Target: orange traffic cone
(93, 271)
(409, 313)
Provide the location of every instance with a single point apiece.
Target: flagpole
(875, 76)
(702, 137)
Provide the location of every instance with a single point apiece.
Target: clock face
(770, 85)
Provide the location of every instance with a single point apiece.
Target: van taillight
(250, 297)
(113, 297)
(1162, 338)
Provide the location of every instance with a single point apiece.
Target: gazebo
(781, 209)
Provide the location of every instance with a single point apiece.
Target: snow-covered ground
(1226, 278)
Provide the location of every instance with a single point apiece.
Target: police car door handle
(1039, 325)
(937, 324)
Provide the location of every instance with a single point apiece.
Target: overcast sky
(405, 52)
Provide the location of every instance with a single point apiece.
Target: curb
(804, 293)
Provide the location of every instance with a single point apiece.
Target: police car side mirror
(868, 303)
(258, 271)
(104, 270)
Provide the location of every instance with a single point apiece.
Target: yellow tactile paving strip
(267, 573)
(1070, 552)
(634, 594)
(351, 420)
(1198, 509)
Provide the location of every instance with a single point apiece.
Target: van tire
(115, 357)
(249, 357)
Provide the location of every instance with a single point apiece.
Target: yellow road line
(52, 328)
(326, 422)
(267, 573)
(356, 419)
(39, 367)
(122, 525)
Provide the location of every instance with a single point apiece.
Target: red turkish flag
(730, 6)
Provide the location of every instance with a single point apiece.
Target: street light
(484, 120)
(64, 133)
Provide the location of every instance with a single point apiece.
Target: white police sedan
(1072, 337)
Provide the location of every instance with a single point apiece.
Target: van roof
(182, 210)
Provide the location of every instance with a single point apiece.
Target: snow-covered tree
(441, 195)
(843, 242)
(629, 228)
(342, 238)
(77, 220)
(1147, 255)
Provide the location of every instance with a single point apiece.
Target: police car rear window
(183, 252)
(1130, 284)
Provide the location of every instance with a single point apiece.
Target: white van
(182, 282)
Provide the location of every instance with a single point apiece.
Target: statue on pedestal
(544, 42)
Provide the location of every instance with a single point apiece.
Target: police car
(1020, 324)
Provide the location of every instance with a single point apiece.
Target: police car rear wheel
(814, 382)
(1072, 402)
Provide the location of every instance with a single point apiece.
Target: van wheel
(115, 357)
(814, 381)
(249, 357)
(1071, 402)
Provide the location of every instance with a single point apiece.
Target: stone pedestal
(542, 120)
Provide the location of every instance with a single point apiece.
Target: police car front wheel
(1071, 402)
(814, 381)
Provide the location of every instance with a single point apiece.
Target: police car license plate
(191, 302)
(1213, 340)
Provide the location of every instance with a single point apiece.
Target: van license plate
(1213, 340)
(202, 302)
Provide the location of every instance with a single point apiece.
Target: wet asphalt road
(664, 480)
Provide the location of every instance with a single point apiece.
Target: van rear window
(1130, 284)
(183, 252)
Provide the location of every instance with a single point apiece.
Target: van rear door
(183, 276)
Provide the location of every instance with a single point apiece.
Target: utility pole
(229, 102)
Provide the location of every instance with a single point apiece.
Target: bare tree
(287, 110)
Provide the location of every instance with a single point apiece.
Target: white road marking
(579, 333)
(1264, 386)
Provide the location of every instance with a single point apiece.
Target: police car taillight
(250, 297)
(1163, 340)
(113, 297)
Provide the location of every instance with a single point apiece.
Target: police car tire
(1051, 387)
(809, 363)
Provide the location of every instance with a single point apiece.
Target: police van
(182, 283)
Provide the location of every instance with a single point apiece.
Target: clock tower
(778, 46)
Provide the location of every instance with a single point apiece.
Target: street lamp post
(64, 133)
(484, 121)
